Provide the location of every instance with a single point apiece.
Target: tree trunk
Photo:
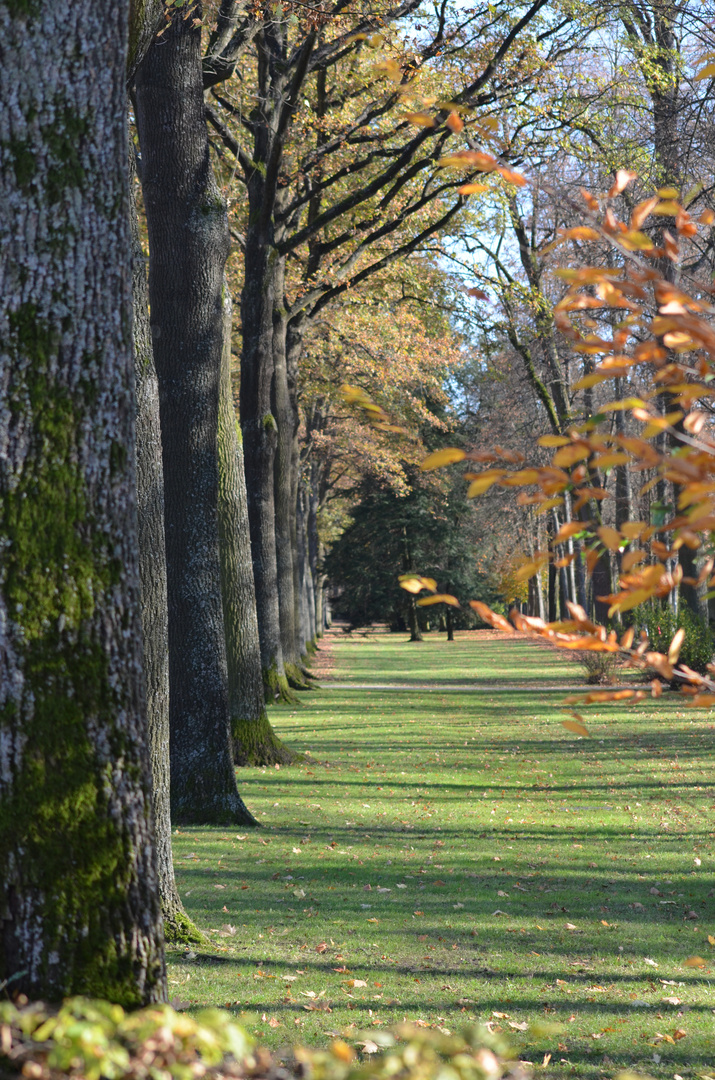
(286, 416)
(188, 245)
(178, 928)
(79, 892)
(253, 738)
(260, 435)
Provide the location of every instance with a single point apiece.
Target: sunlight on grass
(463, 856)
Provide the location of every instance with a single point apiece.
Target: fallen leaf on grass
(545, 1062)
(342, 970)
(711, 939)
(300, 893)
(317, 1006)
(414, 913)
(499, 912)
(694, 962)
(651, 963)
(500, 892)
(519, 1026)
(373, 920)
(322, 947)
(369, 1047)
(679, 1034)
(355, 983)
(273, 1022)
(570, 926)
(672, 1001)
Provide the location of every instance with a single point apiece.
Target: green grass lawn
(453, 856)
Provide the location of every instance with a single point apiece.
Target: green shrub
(600, 667)
(94, 1040)
(660, 623)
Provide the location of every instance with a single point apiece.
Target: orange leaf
(569, 455)
(454, 122)
(570, 528)
(623, 179)
(577, 727)
(472, 189)
(611, 538)
(491, 617)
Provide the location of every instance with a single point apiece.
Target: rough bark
(286, 416)
(260, 436)
(79, 897)
(188, 246)
(254, 740)
(178, 928)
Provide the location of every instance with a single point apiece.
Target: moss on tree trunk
(79, 898)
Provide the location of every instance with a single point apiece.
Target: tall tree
(78, 878)
(188, 246)
(370, 180)
(253, 738)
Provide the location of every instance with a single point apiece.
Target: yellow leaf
(675, 646)
(553, 440)
(569, 455)
(711, 939)
(484, 481)
(373, 920)
(420, 119)
(413, 583)
(577, 727)
(635, 240)
(593, 379)
(611, 538)
(437, 460)
(705, 73)
(611, 457)
(694, 962)
(440, 598)
(529, 569)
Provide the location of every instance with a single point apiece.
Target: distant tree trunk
(188, 245)
(79, 896)
(260, 436)
(450, 623)
(253, 738)
(412, 620)
(286, 489)
(178, 928)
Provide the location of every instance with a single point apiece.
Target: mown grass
(540, 872)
